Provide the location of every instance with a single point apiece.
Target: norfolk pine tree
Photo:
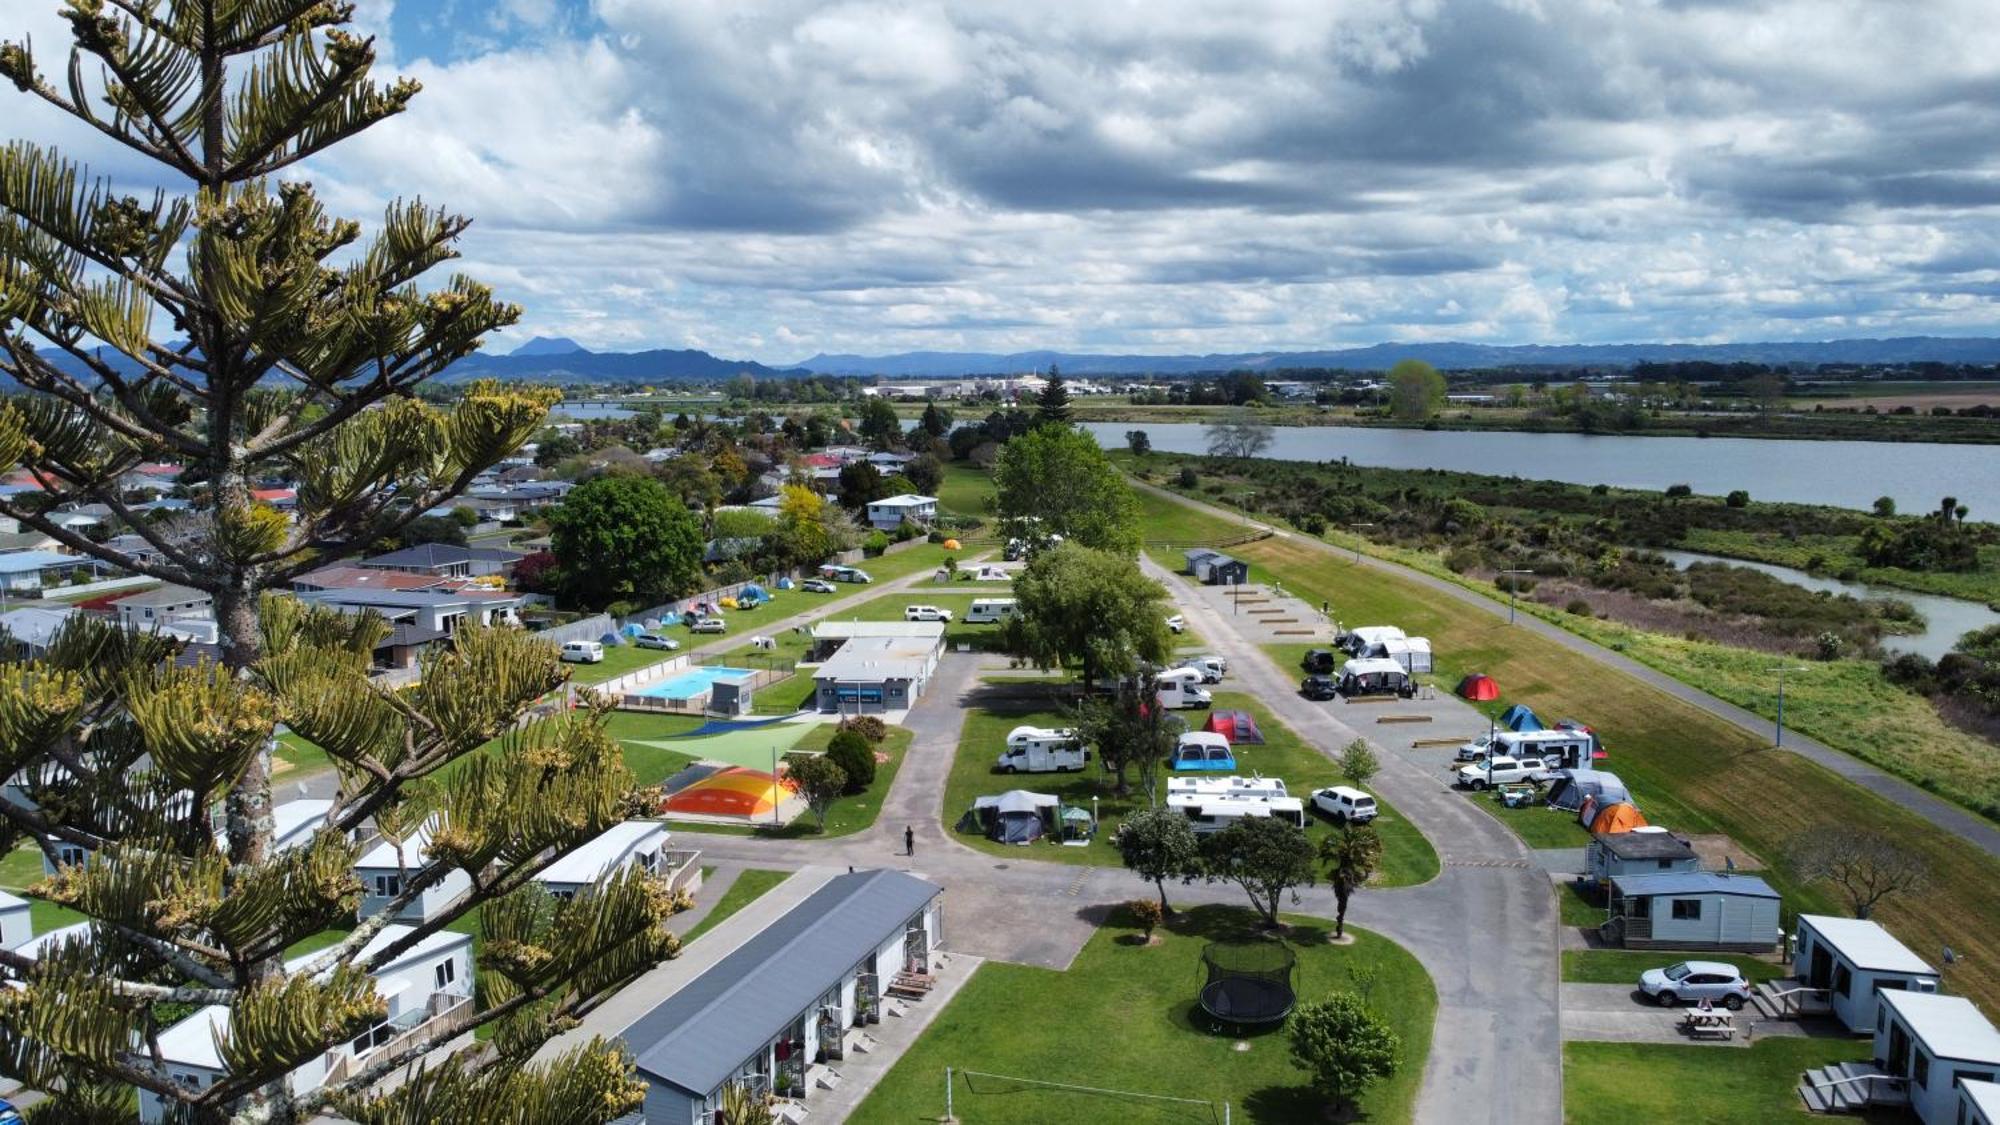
(248, 335)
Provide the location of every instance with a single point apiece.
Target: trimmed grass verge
(1619, 1083)
(1161, 1043)
(1623, 966)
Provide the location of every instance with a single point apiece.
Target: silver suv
(1717, 982)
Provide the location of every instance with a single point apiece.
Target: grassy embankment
(1162, 1044)
(1407, 857)
(1689, 771)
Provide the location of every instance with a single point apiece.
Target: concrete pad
(860, 1071)
(1618, 1013)
(1561, 861)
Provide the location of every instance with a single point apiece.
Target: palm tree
(1351, 854)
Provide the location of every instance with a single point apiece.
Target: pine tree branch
(143, 427)
(84, 545)
(136, 990)
(107, 495)
(158, 128)
(82, 113)
(272, 30)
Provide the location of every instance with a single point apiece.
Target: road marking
(1516, 864)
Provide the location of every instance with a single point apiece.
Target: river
(1848, 474)
(1947, 619)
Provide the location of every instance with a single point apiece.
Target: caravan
(1213, 814)
(1413, 653)
(990, 611)
(1358, 641)
(1042, 750)
(1558, 749)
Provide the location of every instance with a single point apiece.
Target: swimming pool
(688, 684)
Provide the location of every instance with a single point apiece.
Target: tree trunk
(1166, 908)
(1340, 894)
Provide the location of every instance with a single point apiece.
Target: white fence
(588, 629)
(85, 589)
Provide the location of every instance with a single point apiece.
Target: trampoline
(1248, 983)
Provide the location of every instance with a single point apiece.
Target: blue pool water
(693, 682)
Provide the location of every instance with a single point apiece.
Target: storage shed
(1693, 910)
(1644, 851)
(1213, 568)
(1853, 960)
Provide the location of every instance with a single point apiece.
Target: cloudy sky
(774, 179)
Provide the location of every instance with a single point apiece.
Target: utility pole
(1513, 593)
(1779, 740)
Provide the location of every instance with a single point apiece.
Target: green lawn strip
(46, 916)
(298, 756)
(748, 887)
(918, 559)
(1407, 856)
(621, 660)
(1536, 824)
(651, 764)
(1576, 910)
(967, 490)
(1623, 966)
(1147, 1034)
(21, 868)
(1620, 1083)
(957, 598)
(1688, 770)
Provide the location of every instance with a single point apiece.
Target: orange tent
(1619, 817)
(950, 544)
(731, 792)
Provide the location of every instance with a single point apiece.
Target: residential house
(1848, 962)
(339, 577)
(771, 1013)
(135, 546)
(1693, 910)
(1612, 854)
(149, 610)
(640, 843)
(17, 540)
(427, 987)
(446, 560)
(15, 925)
(434, 611)
(30, 629)
(887, 515)
(81, 519)
(28, 571)
(382, 869)
(876, 665)
(1927, 1047)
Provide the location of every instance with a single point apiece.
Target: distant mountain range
(561, 360)
(1448, 356)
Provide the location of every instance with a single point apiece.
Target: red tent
(1236, 726)
(1479, 686)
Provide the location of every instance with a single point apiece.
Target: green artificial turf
(1123, 1017)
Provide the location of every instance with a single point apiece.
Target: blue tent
(1518, 717)
(785, 583)
(610, 640)
(754, 591)
(632, 630)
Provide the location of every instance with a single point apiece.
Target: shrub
(1188, 477)
(622, 608)
(1677, 491)
(1578, 606)
(855, 757)
(907, 531)
(1464, 559)
(867, 726)
(1737, 499)
(1146, 915)
(875, 544)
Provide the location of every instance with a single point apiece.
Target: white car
(1502, 771)
(925, 613)
(1177, 623)
(709, 625)
(1476, 749)
(655, 640)
(816, 586)
(1345, 804)
(1717, 982)
(1209, 673)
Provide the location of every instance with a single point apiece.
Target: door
(1820, 972)
(916, 948)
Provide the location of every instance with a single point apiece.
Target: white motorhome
(1181, 690)
(1042, 750)
(1255, 786)
(990, 611)
(1213, 814)
(1558, 749)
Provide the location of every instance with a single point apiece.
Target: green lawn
(956, 597)
(295, 755)
(1623, 966)
(623, 659)
(1407, 856)
(967, 490)
(917, 559)
(748, 887)
(20, 868)
(1537, 824)
(1576, 910)
(1124, 1017)
(1622, 1083)
(847, 815)
(650, 764)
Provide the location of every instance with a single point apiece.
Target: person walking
(909, 841)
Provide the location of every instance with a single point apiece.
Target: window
(70, 855)
(1920, 1069)
(447, 972)
(1687, 910)
(388, 886)
(1665, 864)
(1843, 981)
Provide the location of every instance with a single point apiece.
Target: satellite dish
(1950, 958)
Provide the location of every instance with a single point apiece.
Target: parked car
(708, 625)
(583, 652)
(1209, 673)
(816, 586)
(1317, 661)
(1177, 623)
(926, 613)
(1319, 687)
(1502, 771)
(1717, 982)
(655, 640)
(1213, 660)
(1476, 749)
(1344, 804)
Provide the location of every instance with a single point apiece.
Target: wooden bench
(1701, 1025)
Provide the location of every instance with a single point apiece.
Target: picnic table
(1700, 1024)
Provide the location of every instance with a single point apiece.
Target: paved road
(1941, 813)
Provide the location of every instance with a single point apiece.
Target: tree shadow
(1295, 1104)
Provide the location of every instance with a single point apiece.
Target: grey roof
(1646, 845)
(168, 594)
(1694, 883)
(441, 554)
(698, 1037)
(405, 599)
(1951, 1026)
(35, 626)
(1866, 944)
(20, 562)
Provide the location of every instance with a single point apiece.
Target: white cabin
(1933, 1043)
(382, 871)
(1854, 961)
(633, 842)
(16, 927)
(1209, 812)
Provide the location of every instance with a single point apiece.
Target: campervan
(989, 611)
(834, 573)
(1558, 749)
(1375, 677)
(583, 652)
(1358, 641)
(1202, 750)
(1042, 750)
(1213, 814)
(1180, 690)
(1209, 667)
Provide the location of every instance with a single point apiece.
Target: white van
(583, 652)
(989, 611)
(1042, 750)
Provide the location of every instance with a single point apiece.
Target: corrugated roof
(168, 594)
(1951, 1026)
(589, 861)
(1694, 883)
(1866, 944)
(441, 554)
(17, 562)
(698, 1037)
